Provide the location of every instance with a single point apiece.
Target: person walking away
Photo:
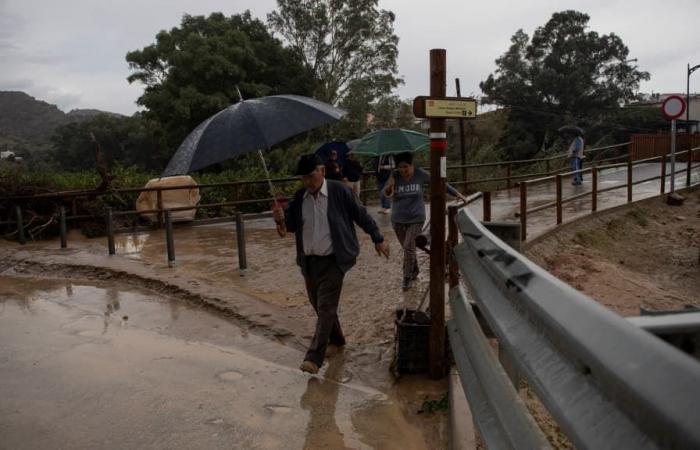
(576, 159)
(333, 169)
(408, 211)
(322, 215)
(385, 164)
(352, 172)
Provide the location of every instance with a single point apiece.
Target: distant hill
(26, 120)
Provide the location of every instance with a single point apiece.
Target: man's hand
(278, 215)
(382, 248)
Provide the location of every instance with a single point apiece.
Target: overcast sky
(71, 52)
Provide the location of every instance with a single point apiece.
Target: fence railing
(607, 383)
(558, 201)
(510, 176)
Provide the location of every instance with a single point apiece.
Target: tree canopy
(565, 73)
(346, 43)
(192, 71)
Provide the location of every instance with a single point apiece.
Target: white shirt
(316, 232)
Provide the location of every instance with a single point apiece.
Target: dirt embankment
(646, 255)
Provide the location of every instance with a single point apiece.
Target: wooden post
(594, 189)
(508, 173)
(559, 215)
(159, 206)
(240, 239)
(438, 169)
(663, 174)
(690, 162)
(110, 232)
(453, 240)
(169, 241)
(486, 200)
(523, 210)
(463, 151)
(20, 225)
(546, 162)
(62, 227)
(629, 180)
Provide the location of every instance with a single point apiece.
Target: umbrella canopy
(391, 141)
(247, 126)
(571, 129)
(341, 148)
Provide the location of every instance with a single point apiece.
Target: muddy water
(98, 365)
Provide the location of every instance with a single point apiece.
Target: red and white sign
(673, 107)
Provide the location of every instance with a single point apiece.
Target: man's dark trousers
(324, 281)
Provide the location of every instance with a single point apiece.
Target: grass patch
(639, 216)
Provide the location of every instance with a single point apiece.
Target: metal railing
(594, 193)
(607, 383)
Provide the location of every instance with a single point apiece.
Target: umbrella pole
(267, 176)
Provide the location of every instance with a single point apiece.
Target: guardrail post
(523, 210)
(110, 232)
(663, 174)
(452, 241)
(486, 200)
(558, 202)
(508, 174)
(594, 189)
(20, 226)
(62, 226)
(240, 239)
(159, 206)
(629, 180)
(169, 241)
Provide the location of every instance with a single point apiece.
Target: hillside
(26, 120)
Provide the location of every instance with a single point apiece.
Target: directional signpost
(437, 108)
(672, 108)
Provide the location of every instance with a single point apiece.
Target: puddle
(100, 366)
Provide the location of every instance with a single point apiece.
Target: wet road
(93, 366)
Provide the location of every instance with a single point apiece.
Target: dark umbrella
(341, 148)
(391, 141)
(247, 126)
(571, 129)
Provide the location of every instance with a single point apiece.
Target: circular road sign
(673, 107)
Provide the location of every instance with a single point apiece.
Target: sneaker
(309, 367)
(406, 283)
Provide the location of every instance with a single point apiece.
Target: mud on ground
(645, 255)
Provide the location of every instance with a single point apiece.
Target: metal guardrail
(607, 383)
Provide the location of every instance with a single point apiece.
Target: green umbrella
(390, 141)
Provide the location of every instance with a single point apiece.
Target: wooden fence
(643, 146)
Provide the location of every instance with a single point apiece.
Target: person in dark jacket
(352, 172)
(334, 171)
(322, 216)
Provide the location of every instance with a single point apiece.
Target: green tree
(566, 73)
(128, 141)
(346, 43)
(192, 71)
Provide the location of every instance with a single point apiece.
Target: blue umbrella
(341, 148)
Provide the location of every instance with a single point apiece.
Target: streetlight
(687, 96)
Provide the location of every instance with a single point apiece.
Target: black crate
(412, 336)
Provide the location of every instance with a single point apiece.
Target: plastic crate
(412, 337)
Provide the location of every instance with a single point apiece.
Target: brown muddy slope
(645, 255)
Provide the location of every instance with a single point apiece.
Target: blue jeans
(577, 164)
(386, 202)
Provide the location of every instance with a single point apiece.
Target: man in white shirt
(323, 215)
